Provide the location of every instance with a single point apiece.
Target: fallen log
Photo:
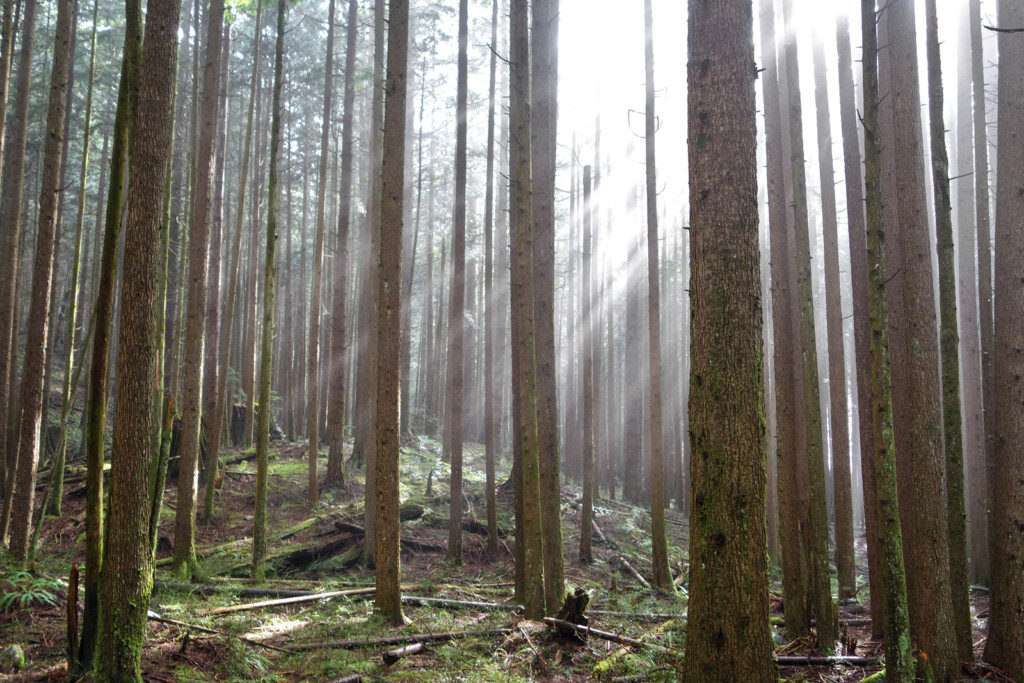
(418, 546)
(584, 631)
(632, 570)
(291, 601)
(397, 640)
(800, 660)
(459, 604)
(238, 592)
(636, 616)
(202, 629)
(351, 678)
(392, 656)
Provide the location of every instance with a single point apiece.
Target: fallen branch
(351, 678)
(800, 660)
(238, 592)
(313, 597)
(584, 631)
(632, 570)
(397, 640)
(392, 656)
(460, 604)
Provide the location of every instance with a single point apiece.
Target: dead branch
(636, 616)
(460, 604)
(314, 597)
(203, 629)
(800, 660)
(584, 631)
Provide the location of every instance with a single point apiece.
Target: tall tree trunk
(983, 487)
(659, 545)
(970, 333)
(834, 315)
(364, 446)
(491, 419)
(185, 564)
(919, 447)
(10, 248)
(31, 397)
(861, 323)
(339, 369)
(1005, 645)
(215, 317)
(728, 636)
(899, 663)
(75, 291)
(526, 460)
(818, 542)
(543, 125)
(259, 529)
(96, 397)
(792, 514)
(949, 347)
(454, 412)
(388, 597)
(313, 359)
(127, 573)
(587, 384)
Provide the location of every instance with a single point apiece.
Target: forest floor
(320, 552)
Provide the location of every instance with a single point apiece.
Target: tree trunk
(387, 597)
(259, 530)
(817, 550)
(919, 447)
(659, 546)
(185, 564)
(728, 636)
(861, 322)
(127, 573)
(491, 421)
(313, 359)
(31, 398)
(1005, 645)
(526, 475)
(10, 248)
(543, 124)
(96, 398)
(454, 412)
(949, 347)
(834, 315)
(587, 384)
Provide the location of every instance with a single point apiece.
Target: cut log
(392, 656)
(397, 640)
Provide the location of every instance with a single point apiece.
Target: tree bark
(728, 634)
(491, 420)
(387, 537)
(1005, 645)
(127, 572)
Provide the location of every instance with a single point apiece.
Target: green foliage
(21, 589)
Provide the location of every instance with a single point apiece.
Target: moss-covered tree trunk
(728, 636)
(899, 663)
(949, 342)
(543, 133)
(1005, 646)
(127, 572)
(921, 465)
(388, 597)
(861, 322)
(259, 530)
